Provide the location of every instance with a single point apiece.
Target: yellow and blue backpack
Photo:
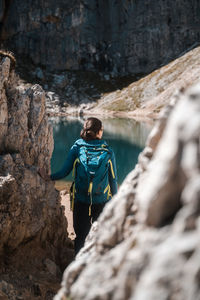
(90, 172)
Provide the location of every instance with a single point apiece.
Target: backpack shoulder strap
(111, 168)
(74, 166)
(72, 189)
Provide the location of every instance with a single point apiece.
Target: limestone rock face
(33, 227)
(146, 243)
(119, 37)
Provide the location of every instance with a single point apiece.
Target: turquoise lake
(126, 137)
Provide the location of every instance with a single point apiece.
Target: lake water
(126, 137)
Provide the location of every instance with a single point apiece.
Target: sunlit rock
(33, 228)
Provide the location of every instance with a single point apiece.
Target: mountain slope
(148, 95)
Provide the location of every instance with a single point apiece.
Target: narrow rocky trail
(65, 201)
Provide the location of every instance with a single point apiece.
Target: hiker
(93, 167)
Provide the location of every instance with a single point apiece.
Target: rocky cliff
(146, 243)
(34, 247)
(118, 37)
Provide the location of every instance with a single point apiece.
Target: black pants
(82, 221)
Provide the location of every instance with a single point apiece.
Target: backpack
(90, 172)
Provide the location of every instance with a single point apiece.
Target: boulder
(33, 227)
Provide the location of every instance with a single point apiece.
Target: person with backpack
(93, 167)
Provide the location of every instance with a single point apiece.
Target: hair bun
(90, 129)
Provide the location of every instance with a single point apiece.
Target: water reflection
(126, 130)
(126, 136)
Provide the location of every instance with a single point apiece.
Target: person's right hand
(43, 174)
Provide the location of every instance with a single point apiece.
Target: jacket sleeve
(112, 173)
(68, 164)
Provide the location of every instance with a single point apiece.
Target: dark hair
(90, 129)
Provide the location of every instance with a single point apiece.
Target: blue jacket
(73, 154)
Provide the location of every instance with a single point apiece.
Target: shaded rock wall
(146, 243)
(33, 228)
(121, 37)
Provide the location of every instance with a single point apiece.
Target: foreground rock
(146, 243)
(34, 247)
